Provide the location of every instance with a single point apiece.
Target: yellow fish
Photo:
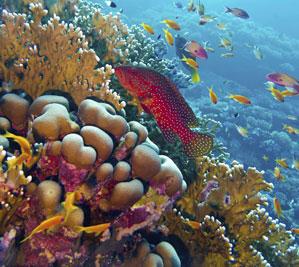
(278, 175)
(296, 164)
(168, 37)
(282, 162)
(26, 152)
(193, 224)
(213, 96)
(277, 207)
(295, 231)
(241, 99)
(288, 93)
(225, 42)
(242, 131)
(221, 26)
(97, 229)
(290, 129)
(172, 24)
(68, 205)
(44, 225)
(195, 76)
(148, 28)
(276, 94)
(190, 62)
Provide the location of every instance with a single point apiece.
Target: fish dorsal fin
(186, 112)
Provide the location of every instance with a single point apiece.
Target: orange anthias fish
(160, 97)
(172, 24)
(26, 152)
(193, 224)
(44, 225)
(241, 99)
(277, 207)
(68, 205)
(282, 162)
(168, 37)
(96, 229)
(148, 28)
(213, 96)
(290, 129)
(242, 131)
(278, 175)
(295, 231)
(276, 94)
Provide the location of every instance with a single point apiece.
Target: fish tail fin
(227, 10)
(296, 87)
(26, 238)
(198, 144)
(195, 76)
(78, 228)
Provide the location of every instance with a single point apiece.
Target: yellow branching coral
(37, 57)
(110, 29)
(232, 195)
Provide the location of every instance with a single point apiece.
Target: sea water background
(273, 27)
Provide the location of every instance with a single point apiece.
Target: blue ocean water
(273, 28)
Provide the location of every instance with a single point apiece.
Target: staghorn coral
(38, 57)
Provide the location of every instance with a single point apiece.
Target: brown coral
(37, 57)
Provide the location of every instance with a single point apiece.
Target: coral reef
(107, 34)
(97, 154)
(229, 225)
(38, 57)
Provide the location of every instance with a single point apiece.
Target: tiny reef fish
(168, 37)
(193, 224)
(283, 79)
(160, 97)
(278, 175)
(282, 162)
(190, 62)
(276, 94)
(196, 49)
(172, 24)
(148, 28)
(213, 96)
(240, 99)
(96, 229)
(242, 131)
(237, 12)
(68, 205)
(277, 206)
(44, 225)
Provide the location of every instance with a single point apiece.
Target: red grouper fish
(160, 97)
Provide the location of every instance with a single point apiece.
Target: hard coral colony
(84, 185)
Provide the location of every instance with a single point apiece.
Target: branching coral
(37, 57)
(232, 195)
(107, 34)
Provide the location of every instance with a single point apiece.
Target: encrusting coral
(38, 57)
